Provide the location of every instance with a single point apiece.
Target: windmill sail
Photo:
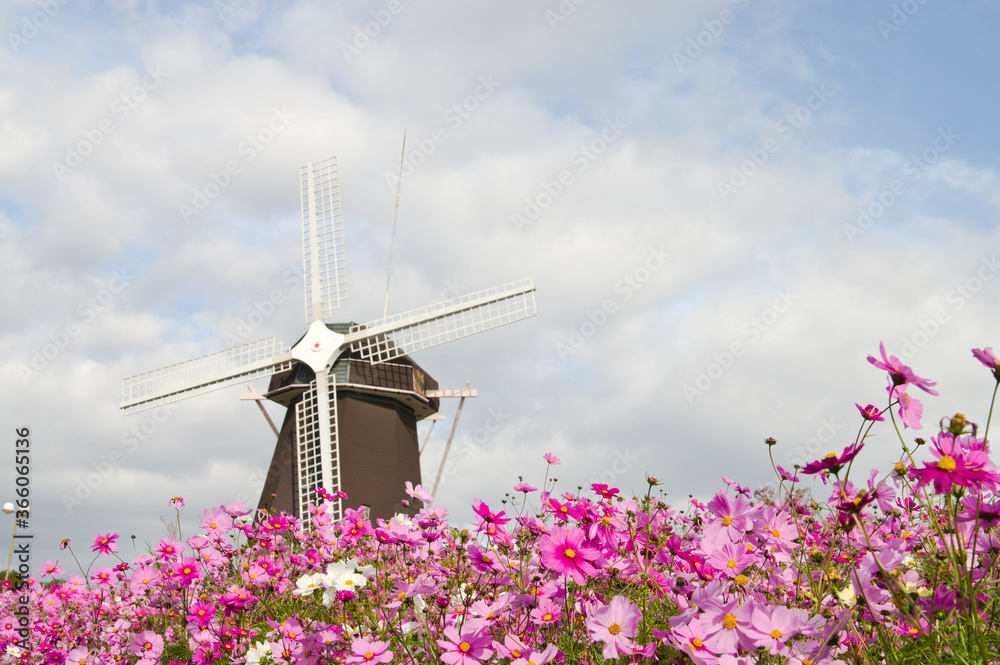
(205, 374)
(318, 452)
(442, 322)
(322, 240)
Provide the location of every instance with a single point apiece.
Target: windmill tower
(353, 394)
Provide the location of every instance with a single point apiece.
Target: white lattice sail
(324, 266)
(318, 451)
(406, 333)
(205, 374)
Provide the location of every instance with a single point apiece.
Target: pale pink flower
(615, 624)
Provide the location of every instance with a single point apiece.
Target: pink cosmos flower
(237, 509)
(106, 544)
(169, 550)
(727, 625)
(732, 558)
(418, 493)
(883, 492)
(143, 578)
(615, 625)
(689, 638)
(176, 502)
(910, 409)
(987, 357)
(147, 644)
(200, 614)
(365, 650)
(551, 458)
(512, 647)
(103, 577)
(732, 521)
(539, 657)
(52, 569)
(466, 648)
(79, 656)
(216, 522)
(564, 552)
(786, 476)
(899, 373)
(525, 487)
(772, 628)
(186, 571)
(546, 613)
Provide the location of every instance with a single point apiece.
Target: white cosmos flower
(306, 585)
(259, 653)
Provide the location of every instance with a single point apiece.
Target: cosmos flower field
(899, 566)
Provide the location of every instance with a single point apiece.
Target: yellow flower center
(547, 616)
(776, 634)
(742, 580)
(696, 642)
(369, 655)
(570, 553)
(727, 520)
(947, 463)
(732, 563)
(614, 629)
(465, 647)
(729, 621)
(775, 533)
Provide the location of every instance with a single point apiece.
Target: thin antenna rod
(395, 215)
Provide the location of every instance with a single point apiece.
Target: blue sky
(770, 265)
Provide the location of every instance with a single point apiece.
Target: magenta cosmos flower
(487, 515)
(469, 647)
(615, 625)
(900, 373)
(956, 465)
(832, 462)
(870, 412)
(564, 552)
(106, 544)
(551, 458)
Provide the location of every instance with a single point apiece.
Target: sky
(725, 206)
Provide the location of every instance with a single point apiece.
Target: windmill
(353, 394)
